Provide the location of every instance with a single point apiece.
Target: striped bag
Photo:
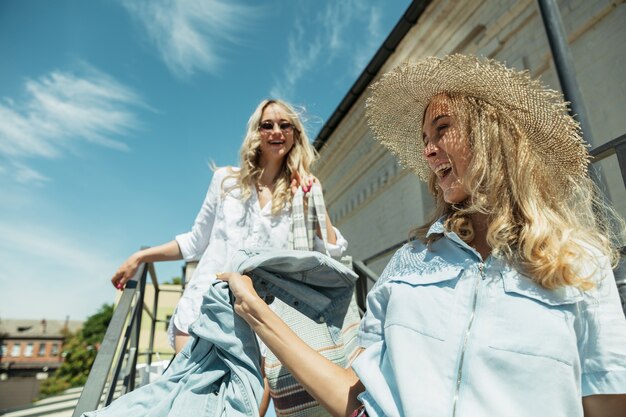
(289, 397)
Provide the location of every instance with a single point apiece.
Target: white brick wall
(375, 204)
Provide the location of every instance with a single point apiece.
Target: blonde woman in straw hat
(504, 303)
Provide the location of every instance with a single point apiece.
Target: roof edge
(406, 22)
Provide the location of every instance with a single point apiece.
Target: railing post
(365, 274)
(155, 303)
(135, 332)
(94, 387)
(566, 72)
(620, 151)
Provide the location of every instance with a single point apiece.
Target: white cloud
(48, 273)
(371, 42)
(60, 110)
(348, 29)
(189, 33)
(27, 175)
(302, 57)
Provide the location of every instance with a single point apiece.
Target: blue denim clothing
(218, 372)
(447, 334)
(301, 279)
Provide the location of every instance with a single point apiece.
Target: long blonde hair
(299, 159)
(545, 222)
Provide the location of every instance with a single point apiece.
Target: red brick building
(28, 347)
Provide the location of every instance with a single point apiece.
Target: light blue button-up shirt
(450, 335)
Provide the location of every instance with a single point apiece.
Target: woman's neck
(480, 223)
(270, 173)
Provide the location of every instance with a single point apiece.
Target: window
(55, 349)
(28, 352)
(42, 349)
(16, 350)
(3, 350)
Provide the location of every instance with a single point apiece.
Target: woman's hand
(166, 252)
(331, 385)
(242, 288)
(126, 271)
(306, 183)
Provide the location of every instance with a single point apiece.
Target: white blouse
(225, 224)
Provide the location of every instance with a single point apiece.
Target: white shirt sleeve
(335, 250)
(193, 243)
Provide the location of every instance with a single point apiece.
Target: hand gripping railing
(120, 346)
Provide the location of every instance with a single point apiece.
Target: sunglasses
(284, 127)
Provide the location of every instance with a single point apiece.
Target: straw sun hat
(395, 109)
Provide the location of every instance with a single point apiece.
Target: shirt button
(321, 319)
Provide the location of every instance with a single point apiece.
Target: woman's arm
(188, 246)
(330, 230)
(265, 401)
(334, 387)
(605, 405)
(166, 252)
(193, 243)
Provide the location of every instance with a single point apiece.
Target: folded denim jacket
(302, 279)
(218, 372)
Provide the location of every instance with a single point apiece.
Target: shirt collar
(438, 228)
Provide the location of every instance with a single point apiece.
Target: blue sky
(112, 110)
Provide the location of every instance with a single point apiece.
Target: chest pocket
(233, 214)
(418, 302)
(534, 321)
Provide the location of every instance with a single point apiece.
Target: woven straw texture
(395, 109)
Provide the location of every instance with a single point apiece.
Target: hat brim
(397, 102)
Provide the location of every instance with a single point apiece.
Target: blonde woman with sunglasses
(249, 206)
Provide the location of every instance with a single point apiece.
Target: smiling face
(277, 141)
(446, 149)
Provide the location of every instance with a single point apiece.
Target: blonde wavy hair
(299, 160)
(544, 221)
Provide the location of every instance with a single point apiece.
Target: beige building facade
(373, 201)
(167, 297)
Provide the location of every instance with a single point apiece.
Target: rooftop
(16, 328)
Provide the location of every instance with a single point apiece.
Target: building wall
(32, 347)
(18, 392)
(40, 351)
(168, 298)
(375, 203)
(167, 304)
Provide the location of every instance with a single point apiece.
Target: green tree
(174, 281)
(79, 351)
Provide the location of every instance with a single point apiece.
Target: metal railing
(119, 350)
(367, 278)
(615, 147)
